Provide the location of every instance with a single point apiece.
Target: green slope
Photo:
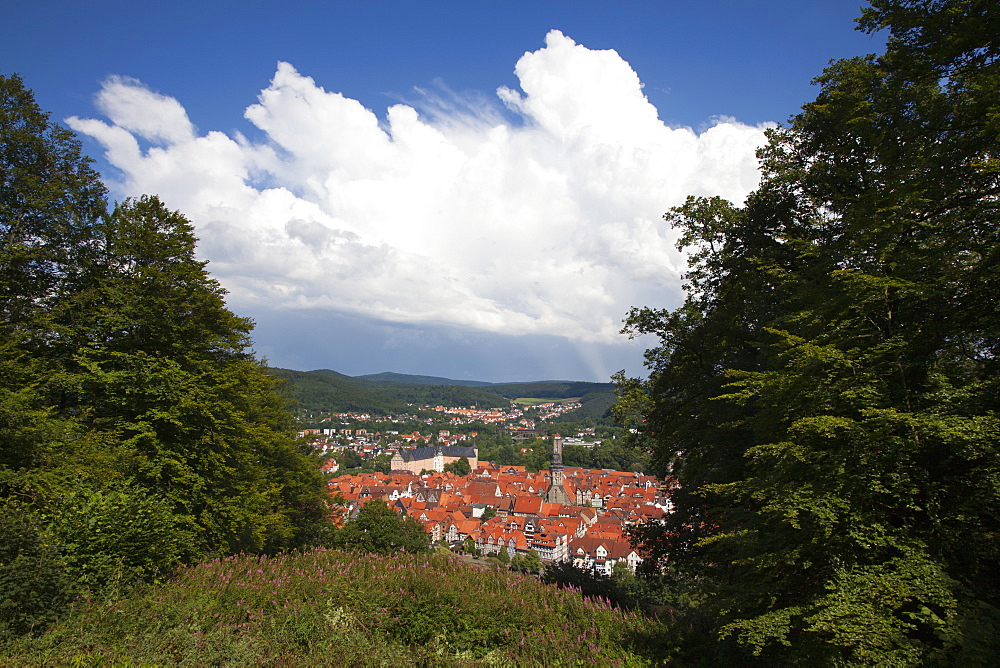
(326, 390)
(408, 379)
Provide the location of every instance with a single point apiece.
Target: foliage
(614, 455)
(827, 395)
(459, 467)
(526, 563)
(137, 431)
(363, 609)
(330, 391)
(412, 379)
(378, 529)
(34, 585)
(385, 393)
(118, 534)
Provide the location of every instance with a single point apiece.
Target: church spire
(557, 490)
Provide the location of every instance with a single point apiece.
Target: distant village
(334, 432)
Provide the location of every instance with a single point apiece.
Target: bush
(34, 585)
(119, 536)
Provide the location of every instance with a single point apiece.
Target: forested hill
(390, 377)
(326, 390)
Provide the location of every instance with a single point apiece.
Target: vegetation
(330, 391)
(324, 390)
(303, 609)
(501, 449)
(136, 430)
(828, 393)
(459, 467)
(378, 529)
(409, 379)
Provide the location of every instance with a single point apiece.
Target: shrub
(34, 586)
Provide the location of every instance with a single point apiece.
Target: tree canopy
(827, 395)
(379, 529)
(137, 429)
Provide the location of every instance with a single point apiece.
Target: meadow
(326, 606)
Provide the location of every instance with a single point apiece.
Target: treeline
(614, 455)
(137, 433)
(324, 390)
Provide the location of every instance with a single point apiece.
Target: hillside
(306, 609)
(390, 377)
(387, 392)
(326, 390)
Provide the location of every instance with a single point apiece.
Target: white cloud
(451, 216)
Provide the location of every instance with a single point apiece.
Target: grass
(327, 606)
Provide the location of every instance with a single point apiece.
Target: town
(492, 482)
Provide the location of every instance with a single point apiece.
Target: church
(557, 487)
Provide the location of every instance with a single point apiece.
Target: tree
(137, 429)
(378, 529)
(351, 460)
(201, 421)
(459, 467)
(33, 578)
(50, 200)
(532, 561)
(827, 395)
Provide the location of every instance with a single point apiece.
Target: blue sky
(466, 189)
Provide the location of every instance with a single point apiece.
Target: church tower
(557, 490)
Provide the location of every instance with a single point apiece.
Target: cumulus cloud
(443, 215)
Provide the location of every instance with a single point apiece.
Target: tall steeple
(557, 491)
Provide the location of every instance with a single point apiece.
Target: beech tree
(827, 395)
(131, 405)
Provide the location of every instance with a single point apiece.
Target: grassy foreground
(326, 606)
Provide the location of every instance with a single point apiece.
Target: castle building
(432, 458)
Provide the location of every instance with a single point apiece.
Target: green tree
(351, 460)
(201, 421)
(50, 200)
(378, 529)
(36, 587)
(118, 535)
(459, 467)
(136, 427)
(827, 395)
(532, 561)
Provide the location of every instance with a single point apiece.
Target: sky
(466, 189)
